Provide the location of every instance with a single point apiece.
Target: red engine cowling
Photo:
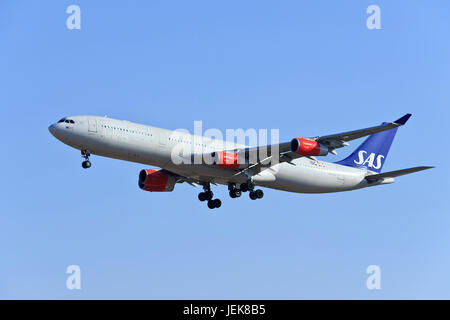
(227, 160)
(305, 147)
(156, 180)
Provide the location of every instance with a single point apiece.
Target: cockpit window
(66, 120)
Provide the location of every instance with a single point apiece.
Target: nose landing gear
(86, 163)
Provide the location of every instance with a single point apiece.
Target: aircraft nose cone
(52, 129)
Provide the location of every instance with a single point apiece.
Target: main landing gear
(234, 192)
(244, 187)
(257, 194)
(207, 195)
(253, 194)
(86, 163)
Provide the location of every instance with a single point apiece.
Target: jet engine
(156, 180)
(305, 147)
(227, 160)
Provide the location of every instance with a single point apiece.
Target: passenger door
(163, 136)
(92, 125)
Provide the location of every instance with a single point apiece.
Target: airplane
(291, 166)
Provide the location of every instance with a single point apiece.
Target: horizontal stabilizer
(392, 174)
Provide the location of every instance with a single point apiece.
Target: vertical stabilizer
(372, 153)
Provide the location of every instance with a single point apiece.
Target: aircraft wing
(337, 140)
(317, 146)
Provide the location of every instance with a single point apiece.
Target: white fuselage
(153, 146)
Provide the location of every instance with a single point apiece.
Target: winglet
(403, 119)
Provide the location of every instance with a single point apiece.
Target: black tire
(252, 195)
(217, 203)
(237, 193)
(86, 164)
(201, 196)
(250, 185)
(244, 187)
(208, 195)
(211, 204)
(232, 194)
(259, 193)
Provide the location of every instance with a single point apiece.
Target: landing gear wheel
(259, 193)
(235, 193)
(201, 196)
(86, 164)
(208, 195)
(211, 204)
(252, 195)
(250, 186)
(244, 187)
(217, 203)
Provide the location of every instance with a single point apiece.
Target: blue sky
(307, 68)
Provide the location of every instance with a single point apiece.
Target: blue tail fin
(372, 153)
